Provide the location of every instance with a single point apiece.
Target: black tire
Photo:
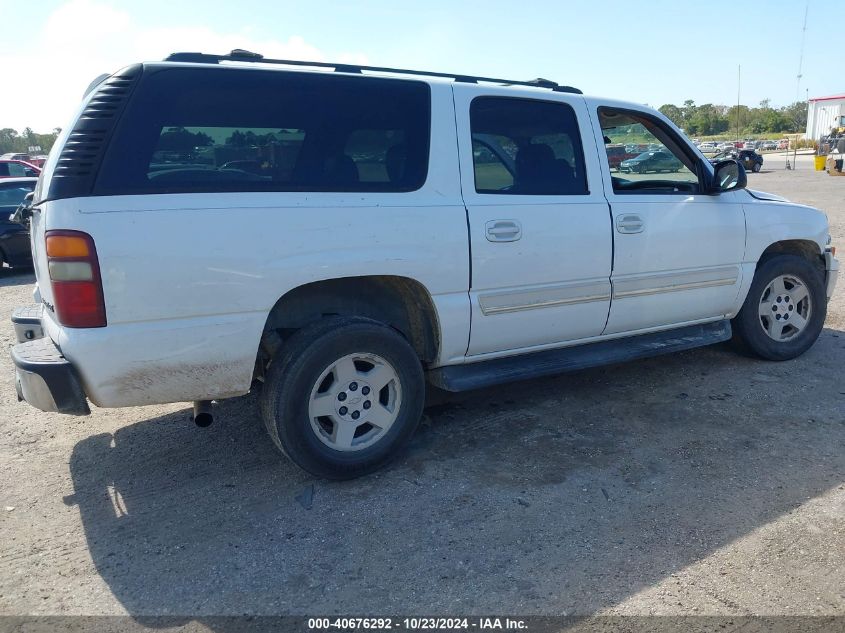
(292, 376)
(756, 168)
(747, 326)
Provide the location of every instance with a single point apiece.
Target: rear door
(540, 232)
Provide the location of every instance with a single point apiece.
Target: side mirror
(729, 175)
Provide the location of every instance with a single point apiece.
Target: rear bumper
(43, 377)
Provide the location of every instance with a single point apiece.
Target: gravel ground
(699, 483)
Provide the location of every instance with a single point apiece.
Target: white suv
(208, 225)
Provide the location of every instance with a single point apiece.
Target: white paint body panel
(561, 263)
(189, 279)
(684, 265)
(772, 221)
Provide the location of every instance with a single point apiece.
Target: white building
(824, 113)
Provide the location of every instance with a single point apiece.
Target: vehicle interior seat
(539, 172)
(341, 170)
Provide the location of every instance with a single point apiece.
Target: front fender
(769, 222)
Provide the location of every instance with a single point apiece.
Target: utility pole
(801, 54)
(738, 85)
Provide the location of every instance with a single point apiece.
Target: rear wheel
(756, 168)
(343, 396)
(785, 309)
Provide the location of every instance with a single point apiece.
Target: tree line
(738, 120)
(19, 143)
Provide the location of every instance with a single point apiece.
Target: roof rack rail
(240, 55)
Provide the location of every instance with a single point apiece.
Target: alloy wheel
(354, 402)
(785, 308)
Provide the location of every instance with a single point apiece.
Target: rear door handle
(503, 230)
(630, 223)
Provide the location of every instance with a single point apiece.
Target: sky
(652, 51)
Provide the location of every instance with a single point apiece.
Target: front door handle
(630, 223)
(503, 230)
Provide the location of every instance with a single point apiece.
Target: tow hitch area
(27, 322)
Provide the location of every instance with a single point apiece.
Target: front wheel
(343, 396)
(785, 309)
(756, 168)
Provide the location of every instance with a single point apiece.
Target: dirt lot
(700, 483)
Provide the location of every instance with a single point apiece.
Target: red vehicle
(616, 153)
(18, 169)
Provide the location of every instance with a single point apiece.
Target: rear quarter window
(210, 130)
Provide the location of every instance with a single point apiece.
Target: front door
(677, 250)
(540, 232)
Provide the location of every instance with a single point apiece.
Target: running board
(558, 361)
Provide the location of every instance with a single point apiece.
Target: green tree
(11, 141)
(673, 113)
(178, 139)
(796, 114)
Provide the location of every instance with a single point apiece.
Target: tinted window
(12, 195)
(17, 170)
(251, 130)
(493, 164)
(526, 147)
(665, 168)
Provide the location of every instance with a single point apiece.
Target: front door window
(643, 156)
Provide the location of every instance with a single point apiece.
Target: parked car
(616, 153)
(769, 145)
(783, 144)
(749, 159)
(707, 146)
(383, 252)
(14, 238)
(656, 161)
(11, 168)
(37, 160)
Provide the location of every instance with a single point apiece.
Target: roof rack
(239, 55)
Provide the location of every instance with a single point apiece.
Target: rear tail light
(75, 276)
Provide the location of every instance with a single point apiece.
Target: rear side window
(196, 130)
(526, 147)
